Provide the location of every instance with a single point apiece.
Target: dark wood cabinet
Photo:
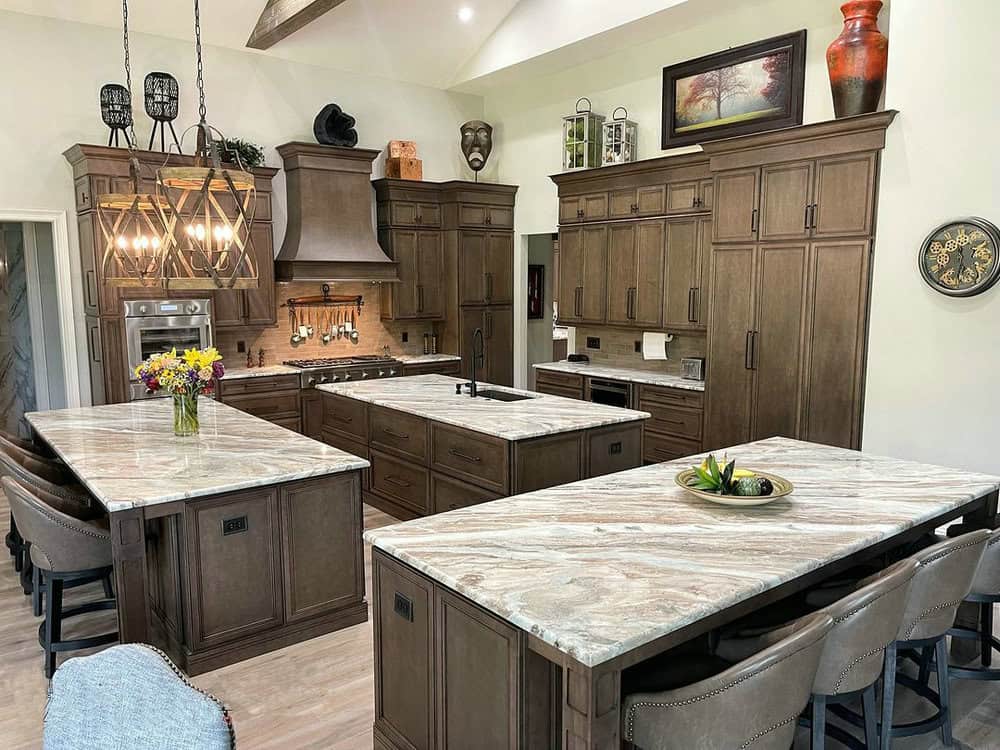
(486, 268)
(254, 308)
(497, 324)
(844, 195)
(420, 257)
(568, 385)
(735, 214)
(689, 255)
(635, 273)
(274, 398)
(415, 214)
(451, 367)
(577, 208)
(785, 201)
(583, 263)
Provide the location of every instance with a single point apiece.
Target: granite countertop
(127, 456)
(433, 397)
(599, 567)
(422, 359)
(623, 373)
(239, 373)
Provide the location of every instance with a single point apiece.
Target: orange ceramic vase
(857, 60)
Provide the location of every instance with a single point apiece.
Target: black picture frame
(790, 113)
(536, 291)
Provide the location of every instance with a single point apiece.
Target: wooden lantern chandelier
(194, 232)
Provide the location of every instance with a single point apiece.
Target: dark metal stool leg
(109, 590)
(888, 696)
(26, 568)
(37, 587)
(944, 690)
(986, 634)
(818, 722)
(53, 620)
(871, 718)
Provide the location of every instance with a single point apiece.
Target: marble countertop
(422, 359)
(623, 373)
(127, 456)
(433, 397)
(599, 567)
(239, 373)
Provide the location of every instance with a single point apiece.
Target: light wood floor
(317, 695)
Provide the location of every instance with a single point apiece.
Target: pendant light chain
(201, 70)
(130, 136)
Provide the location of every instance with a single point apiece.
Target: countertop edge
(629, 375)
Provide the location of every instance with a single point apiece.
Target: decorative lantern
(132, 223)
(582, 138)
(619, 139)
(161, 94)
(206, 248)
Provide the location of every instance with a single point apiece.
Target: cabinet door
(729, 380)
(430, 275)
(116, 367)
(311, 403)
(403, 213)
(95, 360)
(429, 214)
(595, 206)
(835, 342)
(777, 345)
(595, 274)
(785, 197)
(90, 262)
(404, 677)
(570, 275)
(845, 194)
(405, 253)
(682, 260)
(682, 196)
(622, 203)
(499, 268)
(651, 200)
(622, 272)
(703, 284)
(236, 575)
(259, 303)
(570, 209)
(706, 193)
(499, 330)
(647, 299)
(735, 194)
(472, 265)
(501, 217)
(321, 545)
(477, 667)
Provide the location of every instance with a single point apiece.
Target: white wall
(934, 362)
(528, 116)
(51, 72)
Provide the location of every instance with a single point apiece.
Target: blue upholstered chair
(131, 696)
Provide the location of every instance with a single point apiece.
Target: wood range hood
(330, 234)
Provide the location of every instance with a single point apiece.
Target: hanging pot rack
(326, 300)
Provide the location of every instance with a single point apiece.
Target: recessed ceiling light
(465, 14)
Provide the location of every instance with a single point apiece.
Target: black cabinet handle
(398, 435)
(812, 223)
(420, 297)
(805, 221)
(579, 213)
(489, 287)
(748, 352)
(753, 220)
(756, 350)
(464, 456)
(396, 481)
(691, 318)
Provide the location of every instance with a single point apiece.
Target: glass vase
(185, 414)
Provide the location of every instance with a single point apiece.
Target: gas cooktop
(322, 362)
(342, 369)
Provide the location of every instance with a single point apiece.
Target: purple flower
(218, 369)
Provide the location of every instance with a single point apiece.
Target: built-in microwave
(159, 325)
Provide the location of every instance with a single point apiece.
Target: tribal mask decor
(477, 144)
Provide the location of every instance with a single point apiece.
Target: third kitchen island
(433, 449)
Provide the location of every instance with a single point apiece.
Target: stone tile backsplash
(618, 349)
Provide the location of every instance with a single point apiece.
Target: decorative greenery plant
(250, 154)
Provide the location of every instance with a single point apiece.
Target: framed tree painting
(739, 91)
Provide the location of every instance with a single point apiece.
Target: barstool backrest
(942, 580)
(59, 542)
(987, 580)
(864, 623)
(10, 466)
(49, 470)
(754, 704)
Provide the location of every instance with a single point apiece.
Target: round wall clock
(959, 258)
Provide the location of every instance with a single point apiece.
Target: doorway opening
(546, 342)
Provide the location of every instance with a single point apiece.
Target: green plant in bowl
(727, 480)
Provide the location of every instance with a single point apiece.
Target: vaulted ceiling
(419, 41)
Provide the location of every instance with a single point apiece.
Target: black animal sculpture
(334, 127)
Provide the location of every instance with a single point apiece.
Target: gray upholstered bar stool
(754, 703)
(942, 580)
(64, 550)
(986, 593)
(68, 498)
(864, 623)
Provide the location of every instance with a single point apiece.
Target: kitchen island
(237, 541)
(561, 591)
(433, 449)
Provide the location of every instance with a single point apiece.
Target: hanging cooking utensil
(310, 330)
(342, 328)
(325, 326)
(294, 318)
(354, 330)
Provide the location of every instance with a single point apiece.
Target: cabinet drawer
(558, 390)
(400, 480)
(560, 381)
(614, 449)
(665, 448)
(281, 404)
(396, 432)
(451, 494)
(468, 455)
(345, 415)
(498, 217)
(672, 396)
(404, 213)
(671, 420)
(289, 423)
(451, 367)
(258, 385)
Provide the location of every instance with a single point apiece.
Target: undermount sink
(502, 395)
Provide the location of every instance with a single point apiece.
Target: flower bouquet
(185, 378)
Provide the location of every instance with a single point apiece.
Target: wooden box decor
(402, 150)
(740, 91)
(582, 138)
(404, 168)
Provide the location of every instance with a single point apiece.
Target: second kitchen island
(433, 449)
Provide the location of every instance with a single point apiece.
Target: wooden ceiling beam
(280, 18)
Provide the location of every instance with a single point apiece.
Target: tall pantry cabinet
(792, 236)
